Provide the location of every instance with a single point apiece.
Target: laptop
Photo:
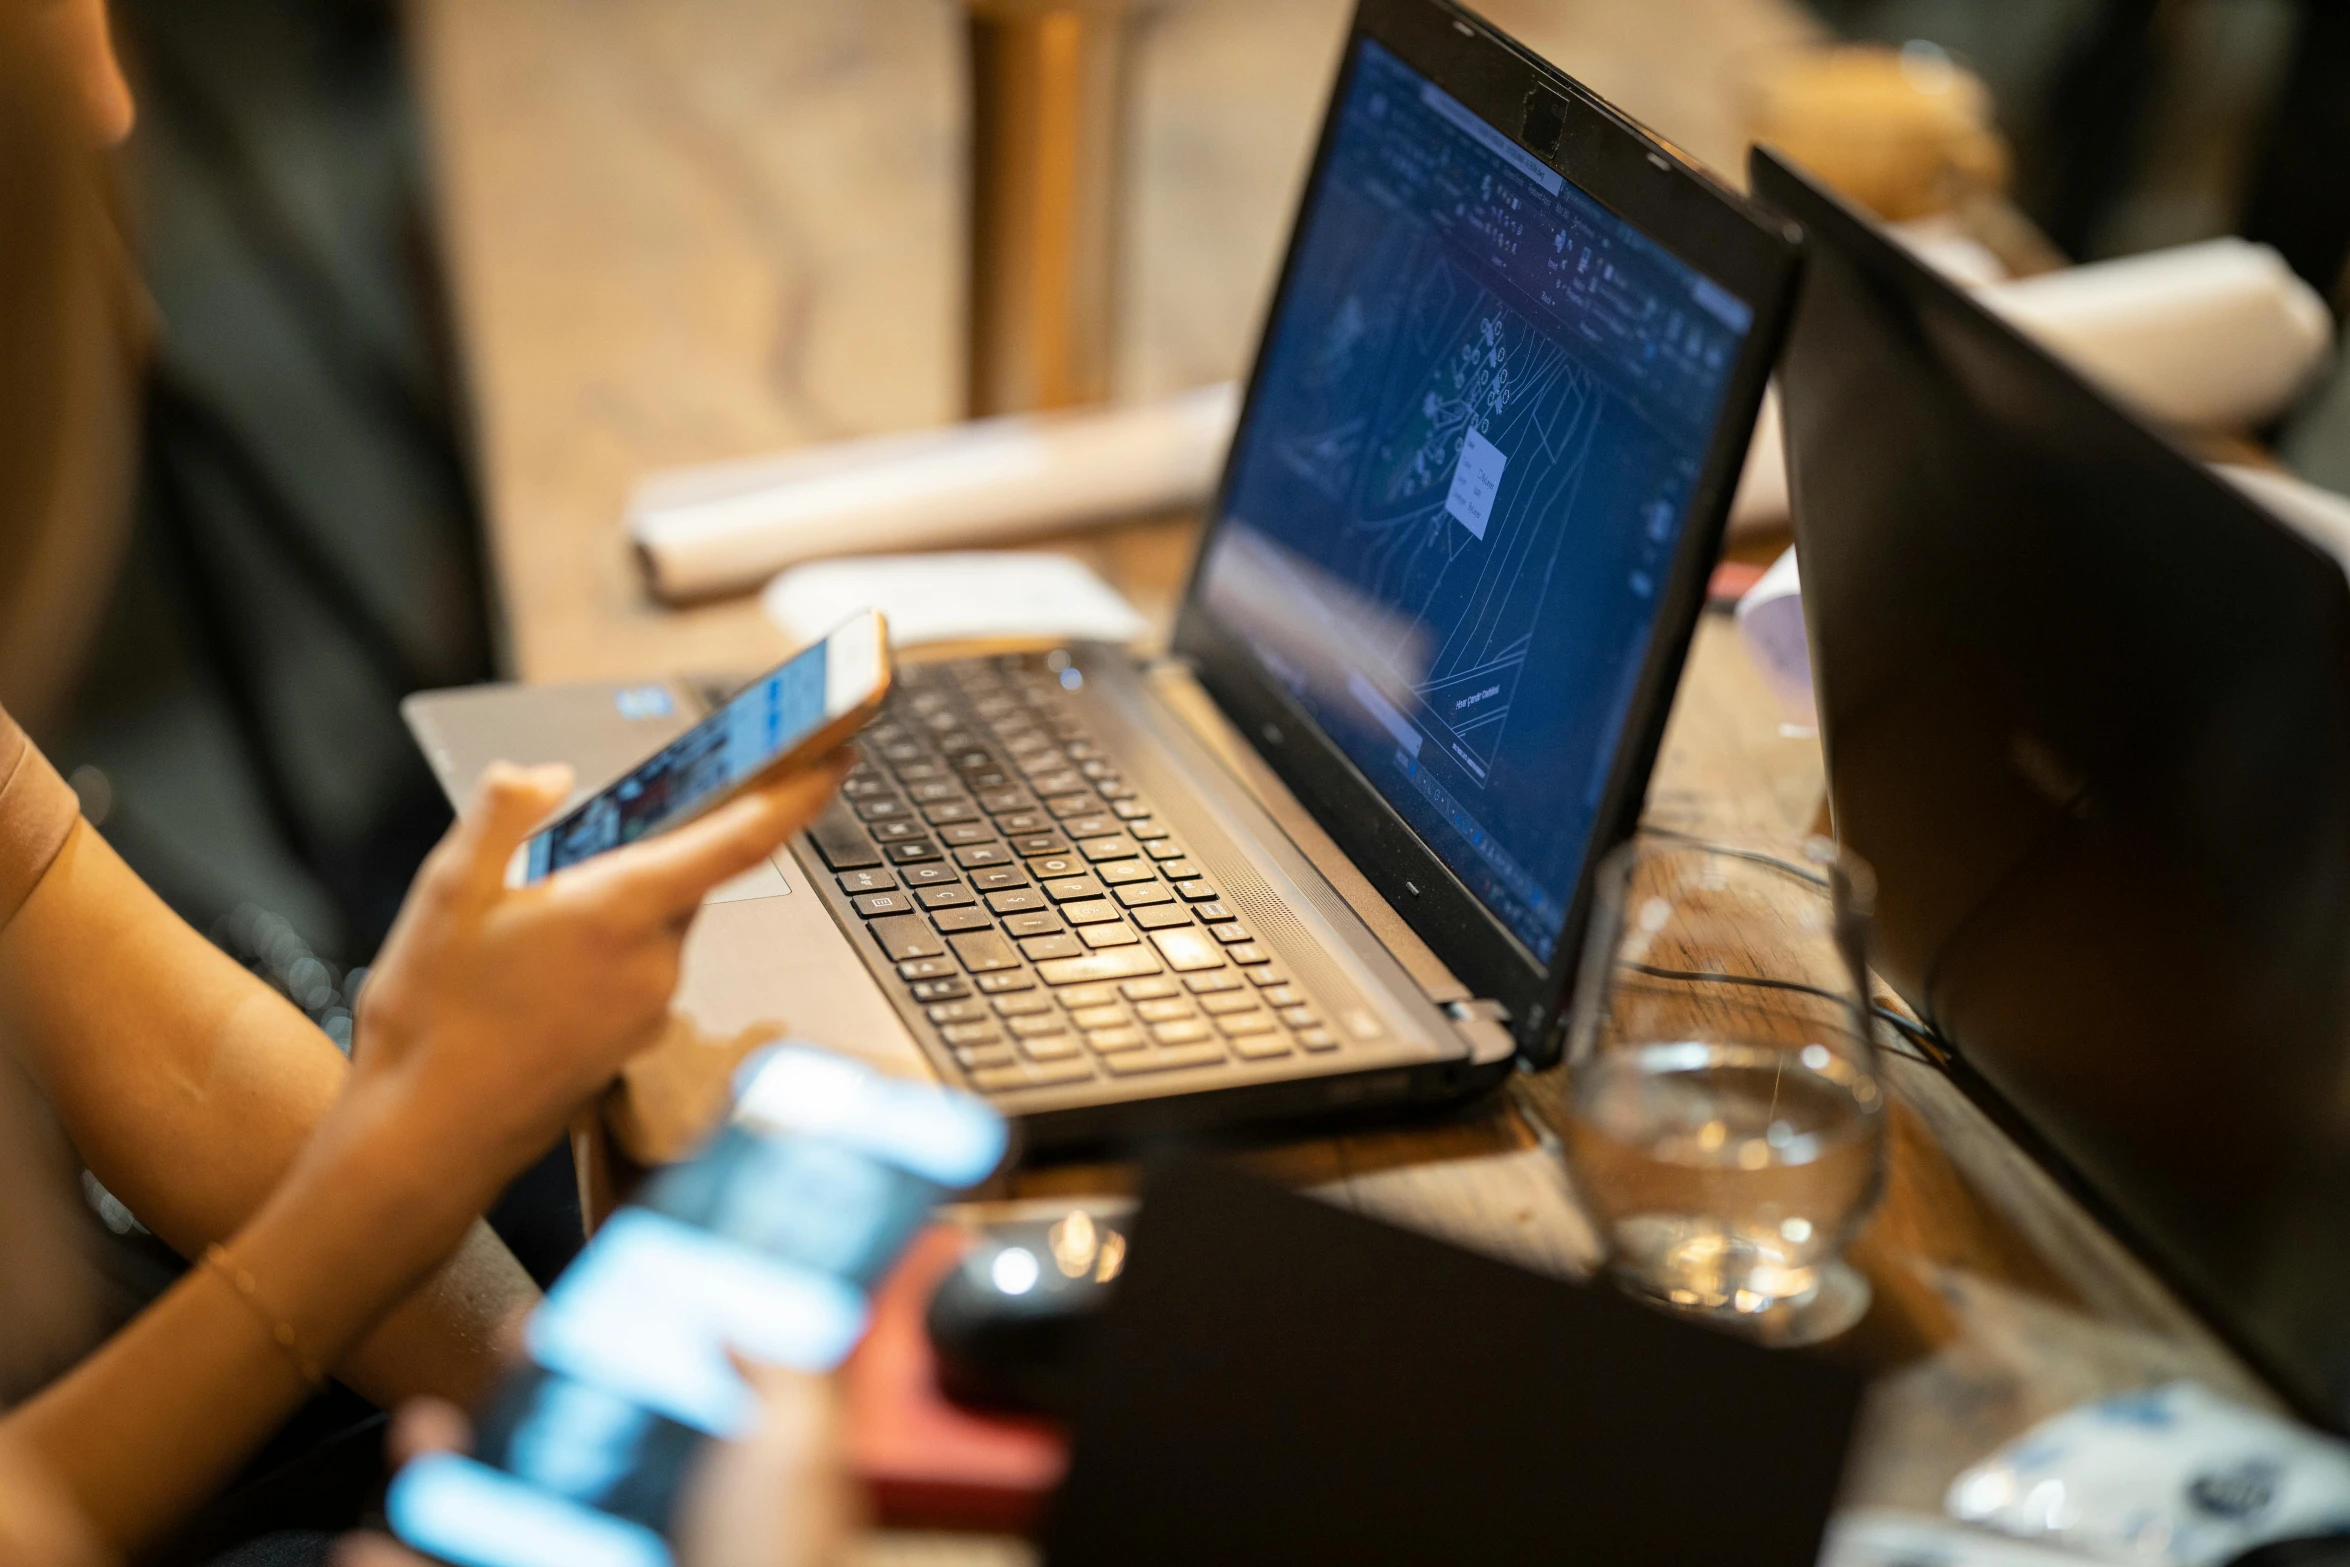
(2086, 709)
(1334, 851)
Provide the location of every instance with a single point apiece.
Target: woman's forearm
(447, 1338)
(494, 1014)
(190, 1087)
(168, 1409)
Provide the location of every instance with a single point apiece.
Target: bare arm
(164, 1412)
(189, 1086)
(494, 1012)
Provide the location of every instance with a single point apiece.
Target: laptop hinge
(1485, 1025)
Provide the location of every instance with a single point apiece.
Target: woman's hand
(494, 1011)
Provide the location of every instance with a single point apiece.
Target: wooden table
(681, 230)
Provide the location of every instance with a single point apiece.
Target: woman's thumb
(507, 804)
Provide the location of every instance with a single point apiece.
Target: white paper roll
(726, 526)
(2218, 335)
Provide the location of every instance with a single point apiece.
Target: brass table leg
(1048, 134)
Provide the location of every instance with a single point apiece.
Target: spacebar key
(1136, 1061)
(1117, 963)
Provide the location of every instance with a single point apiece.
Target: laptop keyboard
(1028, 904)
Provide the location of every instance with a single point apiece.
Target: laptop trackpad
(764, 952)
(765, 880)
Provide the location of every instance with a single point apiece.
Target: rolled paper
(2218, 335)
(728, 526)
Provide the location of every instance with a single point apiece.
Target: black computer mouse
(1010, 1323)
(2327, 1550)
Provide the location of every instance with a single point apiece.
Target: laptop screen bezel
(1647, 183)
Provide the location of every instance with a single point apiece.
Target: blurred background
(305, 548)
(308, 544)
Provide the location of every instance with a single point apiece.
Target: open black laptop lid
(1501, 401)
(2087, 711)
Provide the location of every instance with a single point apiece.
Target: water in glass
(1731, 1170)
(1725, 1122)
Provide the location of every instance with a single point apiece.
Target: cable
(1930, 1052)
(1937, 1051)
(1932, 1049)
(1802, 873)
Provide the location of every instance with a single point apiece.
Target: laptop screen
(1481, 414)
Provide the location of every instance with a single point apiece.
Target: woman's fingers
(507, 804)
(797, 1409)
(666, 877)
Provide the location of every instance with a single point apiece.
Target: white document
(1770, 621)
(2173, 1474)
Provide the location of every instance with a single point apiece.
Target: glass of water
(1726, 1123)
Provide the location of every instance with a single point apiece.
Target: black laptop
(1439, 612)
(2087, 712)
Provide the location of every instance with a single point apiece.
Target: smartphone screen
(766, 1246)
(765, 721)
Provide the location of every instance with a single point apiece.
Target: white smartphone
(788, 717)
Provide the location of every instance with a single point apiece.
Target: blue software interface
(732, 744)
(1483, 407)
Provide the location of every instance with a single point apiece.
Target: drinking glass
(1725, 1121)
